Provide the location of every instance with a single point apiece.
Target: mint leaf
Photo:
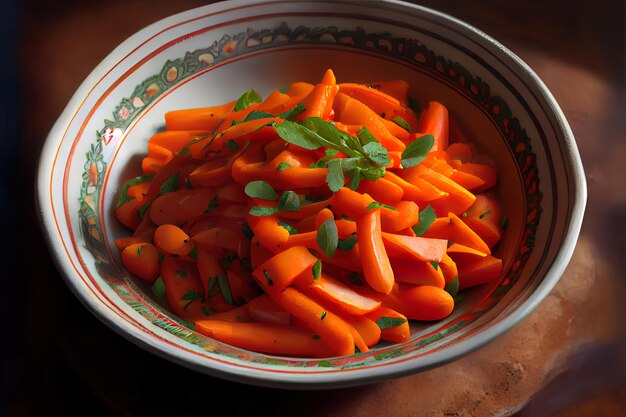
(399, 120)
(263, 211)
(317, 270)
(332, 136)
(190, 296)
(335, 178)
(376, 204)
(377, 153)
(426, 218)
(387, 322)
(347, 243)
(246, 99)
(257, 114)
(292, 230)
(365, 136)
(260, 189)
(327, 237)
(289, 201)
(283, 166)
(213, 204)
(232, 146)
(294, 112)
(222, 282)
(416, 151)
(299, 135)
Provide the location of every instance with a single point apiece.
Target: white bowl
(210, 55)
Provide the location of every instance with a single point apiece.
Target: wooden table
(74, 365)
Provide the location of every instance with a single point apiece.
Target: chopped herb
(327, 237)
(158, 288)
(139, 249)
(435, 265)
(399, 120)
(213, 204)
(246, 99)
(283, 90)
(193, 254)
(247, 232)
(268, 278)
(213, 289)
(141, 211)
(283, 166)
(426, 218)
(416, 151)
(486, 213)
(347, 243)
(232, 146)
(292, 230)
(376, 205)
(227, 260)
(453, 286)
(161, 257)
(222, 282)
(365, 136)
(262, 211)
(504, 222)
(260, 189)
(182, 273)
(415, 106)
(122, 195)
(206, 311)
(317, 270)
(190, 296)
(323, 316)
(316, 337)
(289, 201)
(387, 322)
(170, 184)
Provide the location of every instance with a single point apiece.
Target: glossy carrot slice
(452, 228)
(264, 309)
(142, 259)
(419, 302)
(405, 215)
(433, 120)
(410, 271)
(184, 290)
(278, 272)
(482, 271)
(375, 262)
(394, 326)
(418, 248)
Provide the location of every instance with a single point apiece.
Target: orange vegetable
(142, 259)
(375, 262)
(433, 120)
(395, 325)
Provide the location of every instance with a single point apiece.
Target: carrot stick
(381, 190)
(405, 216)
(142, 259)
(419, 302)
(433, 120)
(482, 271)
(394, 326)
(264, 309)
(183, 288)
(419, 248)
(375, 262)
(172, 240)
(410, 271)
(278, 272)
(177, 206)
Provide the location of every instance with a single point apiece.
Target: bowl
(210, 55)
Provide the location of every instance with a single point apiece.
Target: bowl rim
(577, 199)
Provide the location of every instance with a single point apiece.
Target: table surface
(566, 359)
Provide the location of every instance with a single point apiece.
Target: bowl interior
(212, 55)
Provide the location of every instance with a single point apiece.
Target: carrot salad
(316, 222)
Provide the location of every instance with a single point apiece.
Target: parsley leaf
(263, 211)
(365, 136)
(335, 178)
(158, 288)
(317, 270)
(426, 218)
(292, 230)
(387, 322)
(260, 189)
(190, 296)
(170, 184)
(453, 286)
(246, 99)
(399, 120)
(377, 153)
(283, 166)
(122, 195)
(289, 201)
(347, 243)
(376, 205)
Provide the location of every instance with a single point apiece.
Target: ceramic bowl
(210, 55)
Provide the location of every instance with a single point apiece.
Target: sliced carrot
(419, 248)
(411, 271)
(484, 217)
(183, 288)
(433, 120)
(350, 203)
(198, 118)
(381, 190)
(419, 302)
(375, 262)
(487, 173)
(405, 215)
(448, 268)
(394, 326)
(218, 237)
(274, 339)
(173, 240)
(268, 231)
(482, 271)
(142, 259)
(178, 206)
(264, 309)
(452, 228)
(278, 272)
(462, 254)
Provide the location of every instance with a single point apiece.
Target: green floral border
(410, 50)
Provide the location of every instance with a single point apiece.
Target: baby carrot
(142, 259)
(375, 262)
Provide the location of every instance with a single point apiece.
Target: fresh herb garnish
(435, 265)
(193, 254)
(222, 282)
(292, 230)
(170, 184)
(399, 120)
(365, 136)
(486, 213)
(376, 205)
(283, 166)
(416, 151)
(323, 316)
(122, 195)
(158, 288)
(213, 204)
(317, 270)
(453, 286)
(232, 146)
(387, 322)
(247, 231)
(181, 273)
(289, 201)
(426, 218)
(246, 99)
(190, 296)
(263, 211)
(328, 238)
(504, 222)
(260, 189)
(415, 106)
(268, 278)
(347, 243)
(335, 178)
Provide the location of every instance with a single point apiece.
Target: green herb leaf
(158, 288)
(426, 218)
(268, 278)
(365, 136)
(399, 120)
(373, 173)
(299, 135)
(227, 260)
(347, 243)
(292, 113)
(435, 265)
(122, 195)
(504, 222)
(246, 99)
(416, 151)
(387, 322)
(222, 282)
(283, 166)
(318, 337)
(486, 213)
(333, 137)
(190, 296)
(317, 270)
(328, 238)
(247, 232)
(335, 178)
(193, 254)
(170, 184)
(415, 106)
(323, 316)
(232, 146)
(213, 204)
(206, 311)
(257, 114)
(377, 153)
(139, 249)
(181, 273)
(262, 211)
(376, 205)
(260, 189)
(453, 286)
(292, 230)
(289, 201)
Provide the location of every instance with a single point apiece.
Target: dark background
(59, 360)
